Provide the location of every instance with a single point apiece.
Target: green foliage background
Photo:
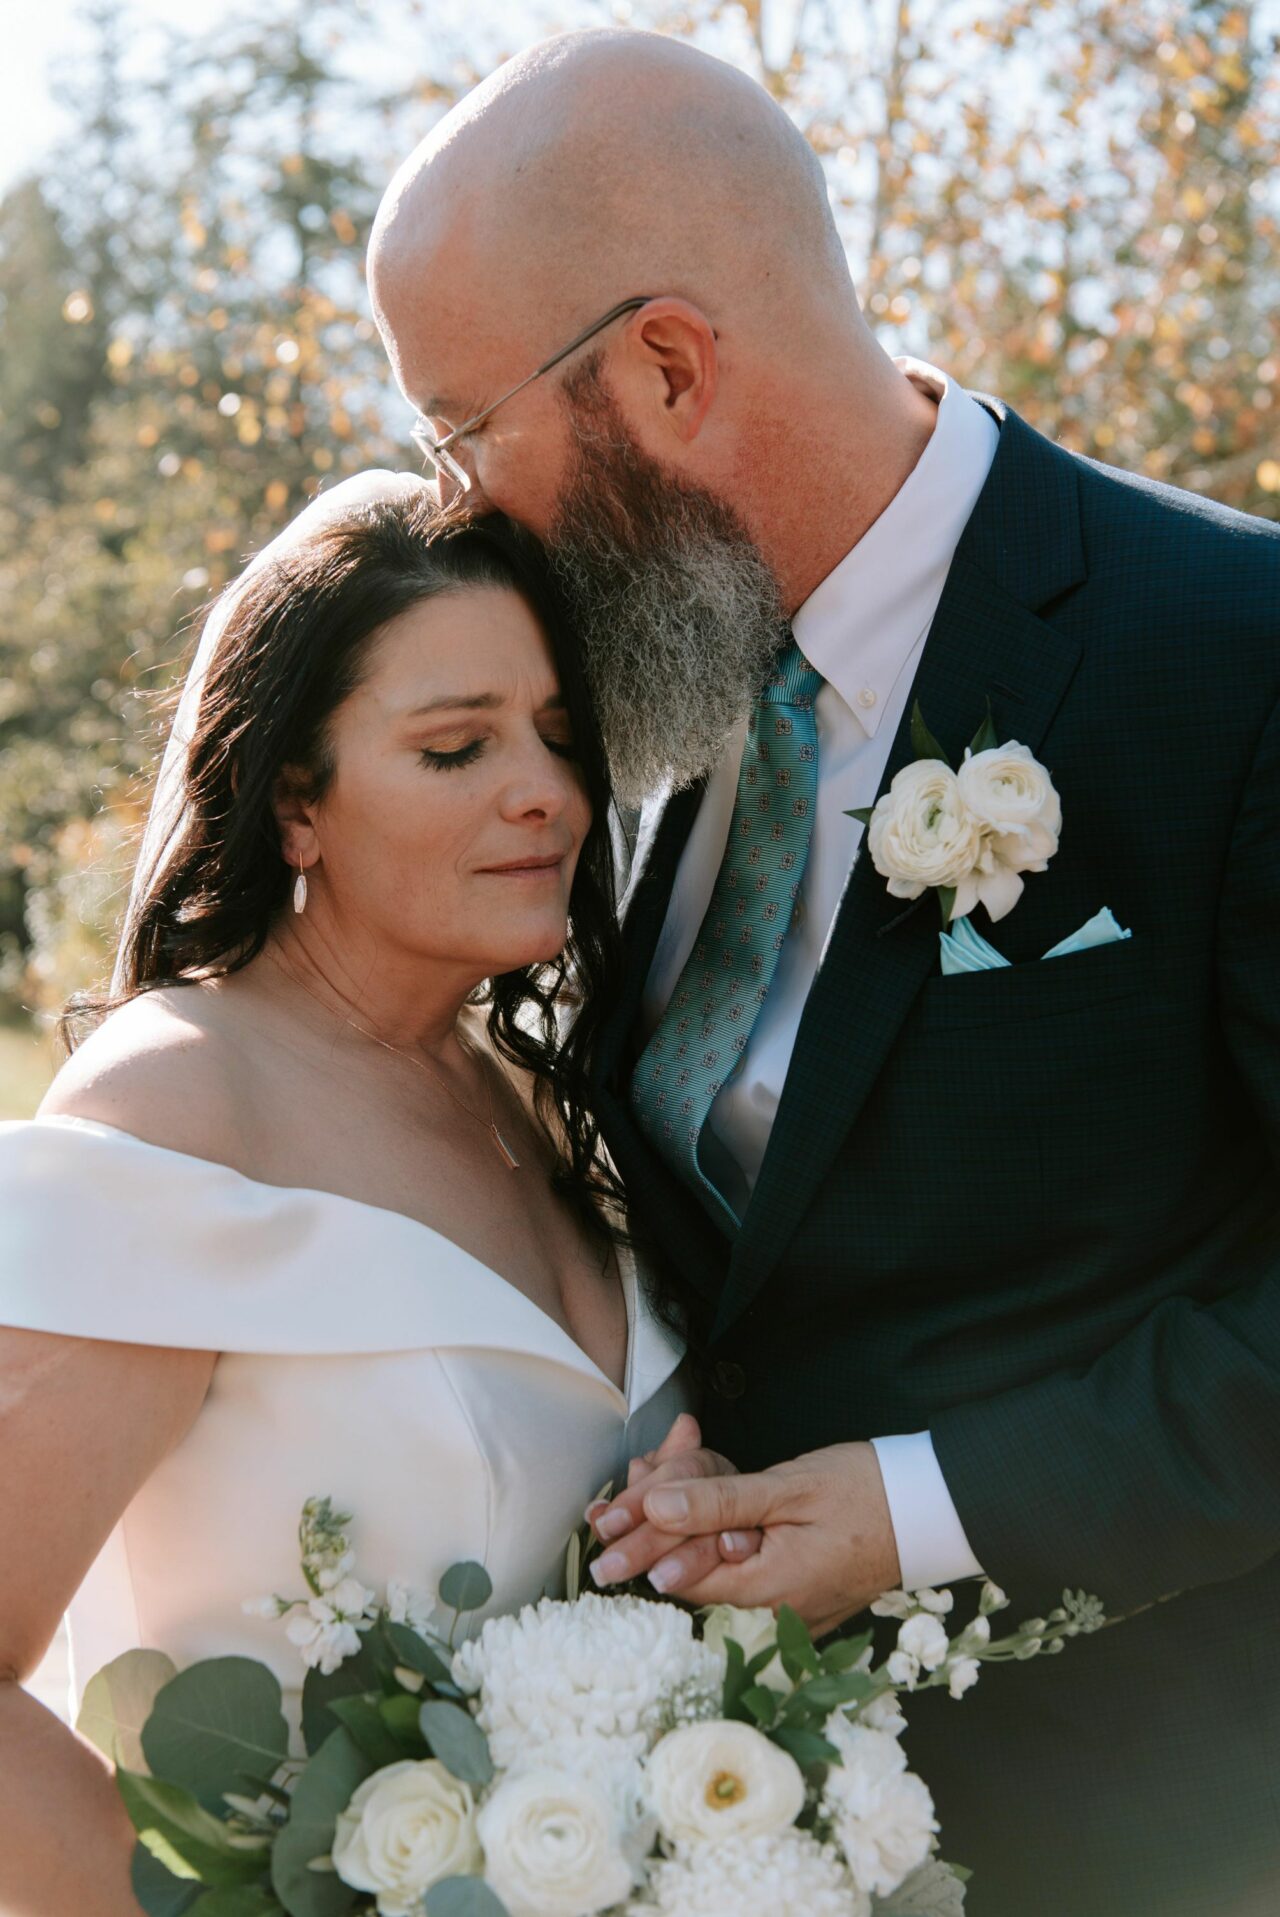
(1070, 202)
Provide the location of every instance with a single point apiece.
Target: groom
(987, 1265)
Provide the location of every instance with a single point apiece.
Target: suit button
(728, 1380)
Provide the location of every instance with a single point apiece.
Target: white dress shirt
(864, 629)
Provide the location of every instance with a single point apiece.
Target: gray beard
(677, 612)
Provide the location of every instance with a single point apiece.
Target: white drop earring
(300, 890)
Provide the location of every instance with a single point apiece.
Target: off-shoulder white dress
(362, 1355)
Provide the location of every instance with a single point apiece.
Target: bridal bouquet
(591, 1755)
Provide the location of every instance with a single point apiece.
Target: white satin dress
(362, 1355)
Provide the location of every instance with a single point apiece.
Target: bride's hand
(634, 1546)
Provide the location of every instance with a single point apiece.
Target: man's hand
(679, 1458)
(828, 1546)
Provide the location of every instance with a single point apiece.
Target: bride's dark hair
(294, 646)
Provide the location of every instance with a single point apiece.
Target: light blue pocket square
(964, 950)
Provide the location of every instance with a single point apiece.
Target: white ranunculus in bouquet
(589, 1757)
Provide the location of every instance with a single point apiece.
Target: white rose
(922, 833)
(405, 1829)
(754, 1630)
(881, 1812)
(925, 1640)
(554, 1845)
(710, 1781)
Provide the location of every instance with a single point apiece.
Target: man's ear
(295, 815)
(673, 364)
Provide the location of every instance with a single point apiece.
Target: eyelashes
(468, 754)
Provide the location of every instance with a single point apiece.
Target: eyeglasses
(437, 450)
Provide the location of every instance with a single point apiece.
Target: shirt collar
(860, 626)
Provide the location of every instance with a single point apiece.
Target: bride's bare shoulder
(166, 1066)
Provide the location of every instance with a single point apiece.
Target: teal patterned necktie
(702, 1035)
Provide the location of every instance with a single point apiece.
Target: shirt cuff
(932, 1546)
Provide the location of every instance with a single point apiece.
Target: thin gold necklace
(490, 1124)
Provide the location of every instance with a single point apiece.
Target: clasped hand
(814, 1533)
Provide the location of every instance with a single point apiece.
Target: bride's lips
(526, 868)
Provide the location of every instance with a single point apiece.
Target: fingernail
(666, 1574)
(608, 1569)
(615, 1524)
(734, 1541)
(667, 1507)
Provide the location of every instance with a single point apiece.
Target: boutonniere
(970, 834)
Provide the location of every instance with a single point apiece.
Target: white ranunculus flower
(881, 1812)
(788, 1874)
(925, 1639)
(922, 833)
(555, 1844)
(1014, 797)
(707, 1782)
(405, 1829)
(962, 1675)
(754, 1630)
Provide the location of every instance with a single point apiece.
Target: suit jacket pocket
(1041, 988)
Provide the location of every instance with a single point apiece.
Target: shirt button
(728, 1379)
(866, 698)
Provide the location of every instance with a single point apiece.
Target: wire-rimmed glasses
(436, 451)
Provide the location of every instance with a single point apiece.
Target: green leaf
(807, 1747)
(827, 1693)
(186, 1838)
(415, 1653)
(364, 1721)
(762, 1704)
(464, 1897)
(946, 903)
(862, 813)
(986, 738)
(457, 1740)
(466, 1587)
(400, 1715)
(215, 1726)
(353, 1675)
(251, 1900)
(325, 1787)
(160, 1893)
(935, 1890)
(796, 1646)
(923, 743)
(735, 1677)
(844, 1653)
(117, 1703)
(573, 1568)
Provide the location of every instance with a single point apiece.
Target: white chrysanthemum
(708, 1782)
(599, 1667)
(786, 1875)
(881, 1812)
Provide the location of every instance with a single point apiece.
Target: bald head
(593, 167)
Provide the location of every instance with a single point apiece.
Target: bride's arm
(82, 1425)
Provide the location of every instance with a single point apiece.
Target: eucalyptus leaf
(400, 1715)
(799, 1659)
(415, 1653)
(466, 1587)
(457, 1740)
(923, 743)
(215, 1726)
(368, 1730)
(932, 1891)
(807, 1747)
(353, 1675)
(252, 1900)
(325, 1787)
(159, 1892)
(464, 1897)
(186, 1838)
(117, 1703)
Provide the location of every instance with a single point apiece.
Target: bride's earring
(300, 889)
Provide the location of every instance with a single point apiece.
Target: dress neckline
(627, 1271)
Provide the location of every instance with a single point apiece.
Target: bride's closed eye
(468, 754)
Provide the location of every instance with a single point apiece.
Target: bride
(301, 1216)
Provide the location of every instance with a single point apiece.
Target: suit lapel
(1020, 550)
